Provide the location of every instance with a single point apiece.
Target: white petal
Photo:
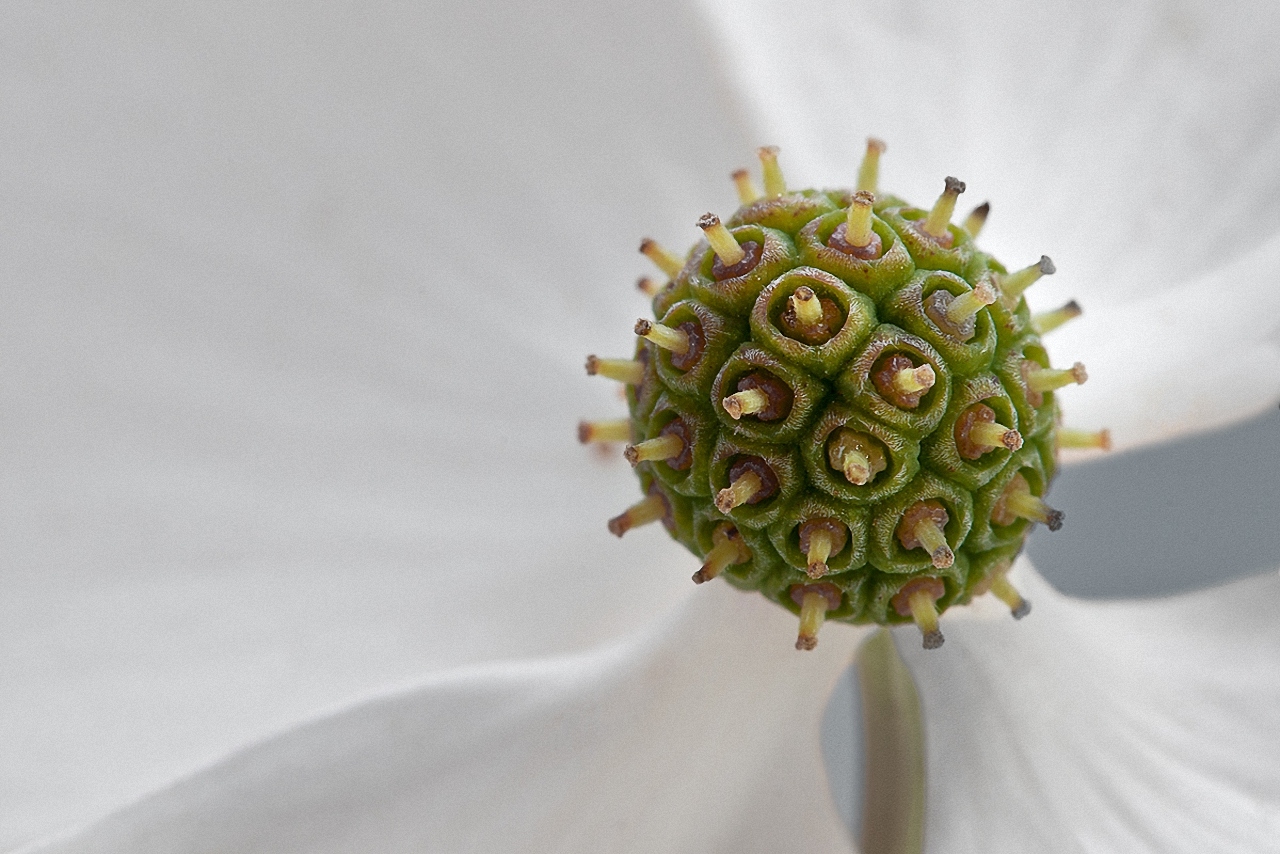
(256, 460)
(700, 735)
(1136, 147)
(1196, 358)
(1136, 726)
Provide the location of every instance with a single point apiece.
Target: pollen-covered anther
(774, 183)
(747, 192)
(727, 550)
(751, 481)
(721, 239)
(976, 219)
(815, 600)
(918, 600)
(651, 509)
(675, 340)
(1047, 321)
(977, 431)
(901, 381)
(1040, 379)
(809, 318)
(760, 394)
(957, 315)
(869, 171)
(923, 526)
(739, 492)
(647, 286)
(1070, 437)
(937, 223)
(1013, 285)
(627, 371)
(1016, 502)
(915, 380)
(819, 540)
(747, 402)
(612, 430)
(665, 447)
(857, 456)
(806, 306)
(665, 260)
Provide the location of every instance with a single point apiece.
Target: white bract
(295, 309)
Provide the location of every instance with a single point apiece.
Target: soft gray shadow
(1176, 517)
(842, 749)
(1181, 516)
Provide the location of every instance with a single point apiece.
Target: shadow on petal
(1166, 519)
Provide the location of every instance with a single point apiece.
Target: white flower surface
(298, 553)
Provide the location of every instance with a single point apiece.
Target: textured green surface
(881, 303)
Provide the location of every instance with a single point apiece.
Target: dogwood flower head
(844, 404)
(299, 554)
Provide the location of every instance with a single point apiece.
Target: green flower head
(844, 404)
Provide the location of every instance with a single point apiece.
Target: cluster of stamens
(843, 403)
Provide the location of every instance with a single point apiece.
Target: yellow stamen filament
(935, 225)
(1008, 594)
(747, 192)
(728, 549)
(913, 380)
(643, 512)
(976, 219)
(648, 287)
(807, 306)
(774, 183)
(665, 337)
(925, 613)
(1069, 437)
(1013, 285)
(993, 434)
(971, 302)
(1047, 321)
(618, 430)
(813, 613)
(931, 536)
(869, 171)
(626, 371)
(747, 402)
(739, 492)
(821, 545)
(856, 467)
(1024, 505)
(1047, 379)
(721, 240)
(859, 459)
(858, 225)
(665, 260)
(659, 448)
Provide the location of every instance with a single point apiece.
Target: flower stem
(893, 809)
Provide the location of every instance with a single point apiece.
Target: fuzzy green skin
(880, 301)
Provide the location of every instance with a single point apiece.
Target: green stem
(893, 790)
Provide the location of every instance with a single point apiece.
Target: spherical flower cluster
(844, 404)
